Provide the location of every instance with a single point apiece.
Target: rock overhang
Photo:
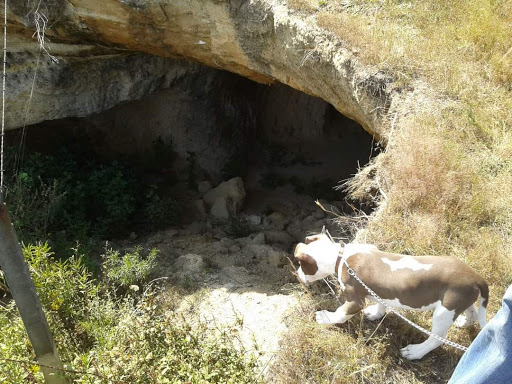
(110, 52)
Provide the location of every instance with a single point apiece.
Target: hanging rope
(3, 107)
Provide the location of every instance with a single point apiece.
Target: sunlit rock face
(112, 51)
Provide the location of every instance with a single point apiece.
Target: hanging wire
(41, 24)
(3, 107)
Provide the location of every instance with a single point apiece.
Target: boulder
(277, 220)
(258, 250)
(233, 193)
(204, 186)
(220, 208)
(189, 264)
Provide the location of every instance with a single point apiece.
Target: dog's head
(317, 257)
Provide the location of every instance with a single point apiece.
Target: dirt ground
(243, 282)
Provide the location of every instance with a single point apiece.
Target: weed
(188, 283)
(116, 339)
(237, 228)
(132, 268)
(304, 5)
(158, 211)
(66, 198)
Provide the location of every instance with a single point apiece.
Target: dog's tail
(484, 299)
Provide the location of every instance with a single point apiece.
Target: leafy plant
(65, 288)
(128, 339)
(70, 196)
(128, 269)
(237, 228)
(160, 211)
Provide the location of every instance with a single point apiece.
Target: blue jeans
(489, 358)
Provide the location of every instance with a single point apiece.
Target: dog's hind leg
(469, 318)
(342, 314)
(441, 322)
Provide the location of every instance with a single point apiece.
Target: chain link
(352, 273)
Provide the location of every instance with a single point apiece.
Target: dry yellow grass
(358, 351)
(446, 173)
(303, 5)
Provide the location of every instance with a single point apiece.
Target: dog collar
(337, 266)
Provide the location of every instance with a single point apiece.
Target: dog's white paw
(322, 317)
(463, 322)
(374, 312)
(413, 352)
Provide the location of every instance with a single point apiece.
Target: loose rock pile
(239, 257)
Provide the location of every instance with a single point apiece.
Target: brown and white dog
(444, 284)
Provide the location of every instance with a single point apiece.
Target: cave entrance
(209, 126)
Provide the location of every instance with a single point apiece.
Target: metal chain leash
(352, 273)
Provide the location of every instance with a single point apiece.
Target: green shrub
(160, 211)
(129, 339)
(33, 205)
(128, 269)
(110, 196)
(65, 289)
(69, 196)
(148, 346)
(237, 228)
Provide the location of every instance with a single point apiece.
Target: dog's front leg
(342, 314)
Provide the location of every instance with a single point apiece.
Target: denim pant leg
(489, 358)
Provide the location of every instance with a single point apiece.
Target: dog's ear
(310, 239)
(301, 256)
(298, 249)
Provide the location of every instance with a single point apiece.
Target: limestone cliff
(110, 51)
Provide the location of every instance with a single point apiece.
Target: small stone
(318, 225)
(157, 238)
(259, 238)
(277, 220)
(276, 258)
(253, 219)
(297, 233)
(204, 186)
(308, 220)
(258, 250)
(278, 237)
(190, 263)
